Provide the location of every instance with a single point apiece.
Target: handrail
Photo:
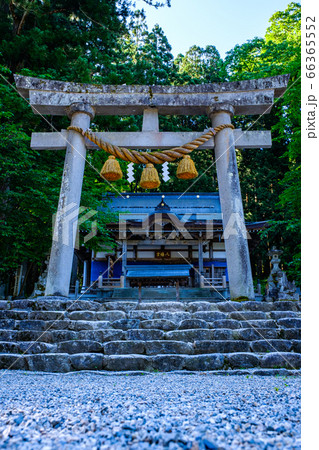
(105, 283)
(213, 282)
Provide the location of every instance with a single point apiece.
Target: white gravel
(161, 410)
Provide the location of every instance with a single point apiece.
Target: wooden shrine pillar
(124, 261)
(200, 259)
(85, 276)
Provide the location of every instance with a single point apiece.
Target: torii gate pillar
(235, 235)
(65, 227)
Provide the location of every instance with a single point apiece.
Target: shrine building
(164, 239)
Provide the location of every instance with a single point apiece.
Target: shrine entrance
(220, 101)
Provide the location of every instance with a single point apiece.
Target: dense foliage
(108, 42)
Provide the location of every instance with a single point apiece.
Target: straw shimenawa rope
(158, 157)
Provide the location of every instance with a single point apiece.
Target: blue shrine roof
(197, 205)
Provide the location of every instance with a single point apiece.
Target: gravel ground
(171, 411)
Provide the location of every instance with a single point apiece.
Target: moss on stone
(240, 299)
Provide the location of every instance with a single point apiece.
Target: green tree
(28, 189)
(201, 65)
(275, 188)
(285, 33)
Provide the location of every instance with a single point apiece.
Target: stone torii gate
(218, 100)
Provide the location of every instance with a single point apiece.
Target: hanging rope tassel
(186, 169)
(149, 178)
(111, 171)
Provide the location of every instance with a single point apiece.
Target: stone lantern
(275, 260)
(279, 288)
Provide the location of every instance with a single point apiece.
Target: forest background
(108, 42)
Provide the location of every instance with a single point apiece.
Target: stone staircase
(164, 293)
(55, 334)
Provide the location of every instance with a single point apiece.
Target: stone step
(235, 324)
(145, 335)
(14, 314)
(54, 336)
(284, 314)
(289, 323)
(5, 304)
(81, 346)
(162, 320)
(125, 306)
(210, 316)
(142, 314)
(160, 324)
(290, 333)
(42, 304)
(163, 306)
(199, 305)
(144, 330)
(26, 347)
(272, 345)
(57, 304)
(65, 362)
(226, 324)
(148, 347)
(173, 316)
(151, 347)
(100, 315)
(252, 334)
(197, 309)
(164, 293)
(191, 324)
(258, 324)
(248, 315)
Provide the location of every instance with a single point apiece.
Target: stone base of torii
(220, 101)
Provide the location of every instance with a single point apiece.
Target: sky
(222, 23)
